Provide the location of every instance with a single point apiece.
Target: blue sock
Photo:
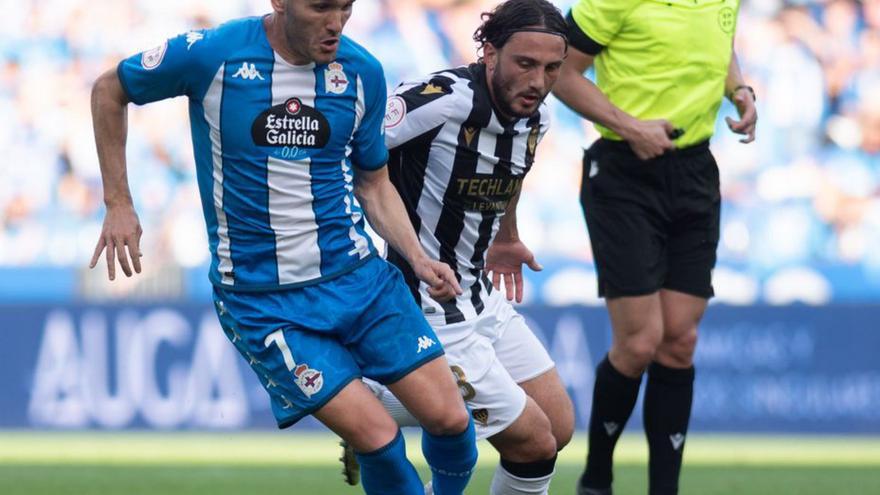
(387, 471)
(452, 459)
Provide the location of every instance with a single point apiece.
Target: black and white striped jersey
(456, 164)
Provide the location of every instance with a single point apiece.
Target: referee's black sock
(614, 397)
(668, 397)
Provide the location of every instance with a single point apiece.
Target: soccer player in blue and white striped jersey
(286, 116)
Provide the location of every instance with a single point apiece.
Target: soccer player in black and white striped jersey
(461, 142)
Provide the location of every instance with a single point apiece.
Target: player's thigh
(529, 438)
(550, 395)
(301, 370)
(429, 393)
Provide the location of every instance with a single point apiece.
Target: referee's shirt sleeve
(416, 108)
(593, 24)
(183, 65)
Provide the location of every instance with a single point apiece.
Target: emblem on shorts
(152, 58)
(481, 416)
(334, 79)
(727, 19)
(309, 380)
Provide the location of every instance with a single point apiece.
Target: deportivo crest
(335, 80)
(152, 58)
(291, 125)
(310, 381)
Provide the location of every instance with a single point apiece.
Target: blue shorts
(306, 344)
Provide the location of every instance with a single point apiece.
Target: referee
(651, 200)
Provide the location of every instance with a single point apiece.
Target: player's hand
(442, 284)
(505, 259)
(748, 115)
(121, 230)
(649, 138)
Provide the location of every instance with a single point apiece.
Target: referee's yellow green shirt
(660, 59)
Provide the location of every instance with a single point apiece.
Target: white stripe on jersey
(211, 104)
(361, 246)
(291, 216)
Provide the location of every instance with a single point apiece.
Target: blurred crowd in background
(801, 210)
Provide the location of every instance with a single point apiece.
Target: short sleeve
(416, 108)
(180, 66)
(368, 143)
(593, 24)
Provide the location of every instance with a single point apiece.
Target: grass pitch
(305, 464)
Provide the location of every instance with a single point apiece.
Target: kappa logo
(425, 342)
(248, 71)
(469, 133)
(677, 440)
(152, 58)
(192, 38)
(334, 79)
(610, 427)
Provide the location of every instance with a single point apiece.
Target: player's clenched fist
(442, 284)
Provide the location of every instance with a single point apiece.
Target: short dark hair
(516, 15)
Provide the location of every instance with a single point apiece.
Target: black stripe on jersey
(425, 93)
(451, 222)
(504, 152)
(409, 185)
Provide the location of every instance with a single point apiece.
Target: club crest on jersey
(335, 80)
(291, 125)
(309, 380)
(152, 58)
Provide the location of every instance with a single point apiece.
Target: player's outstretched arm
(387, 216)
(121, 234)
(507, 253)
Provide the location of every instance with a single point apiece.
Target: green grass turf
(285, 463)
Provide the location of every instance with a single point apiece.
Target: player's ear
(490, 55)
(280, 6)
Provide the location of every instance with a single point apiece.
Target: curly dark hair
(517, 15)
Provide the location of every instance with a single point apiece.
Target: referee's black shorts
(653, 224)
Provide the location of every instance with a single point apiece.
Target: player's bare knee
(449, 421)
(562, 433)
(540, 445)
(372, 434)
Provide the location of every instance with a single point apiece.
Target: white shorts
(499, 352)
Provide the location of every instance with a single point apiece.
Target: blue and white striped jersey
(274, 147)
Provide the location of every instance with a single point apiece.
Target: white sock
(394, 407)
(504, 483)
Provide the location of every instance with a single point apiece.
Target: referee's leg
(637, 324)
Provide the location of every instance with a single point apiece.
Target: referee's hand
(649, 138)
(748, 115)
